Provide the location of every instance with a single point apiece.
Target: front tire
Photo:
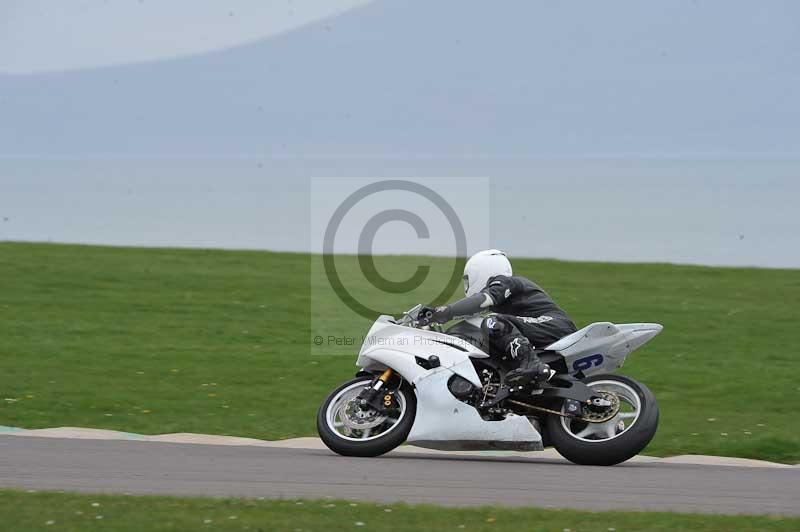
(616, 440)
(342, 436)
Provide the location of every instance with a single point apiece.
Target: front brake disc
(354, 417)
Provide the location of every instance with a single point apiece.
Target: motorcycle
(440, 389)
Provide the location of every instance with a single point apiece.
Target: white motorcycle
(441, 390)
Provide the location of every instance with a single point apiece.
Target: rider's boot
(531, 368)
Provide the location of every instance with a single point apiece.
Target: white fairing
(442, 421)
(388, 344)
(446, 423)
(602, 347)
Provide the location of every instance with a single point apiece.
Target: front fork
(374, 396)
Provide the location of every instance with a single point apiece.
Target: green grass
(57, 511)
(157, 341)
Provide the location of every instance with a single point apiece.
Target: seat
(595, 330)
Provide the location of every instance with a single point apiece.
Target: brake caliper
(388, 401)
(377, 397)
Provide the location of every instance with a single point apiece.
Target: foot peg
(544, 374)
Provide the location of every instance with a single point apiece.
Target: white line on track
(316, 443)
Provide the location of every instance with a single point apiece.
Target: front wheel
(348, 430)
(616, 440)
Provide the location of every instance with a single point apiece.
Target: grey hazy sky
(684, 78)
(54, 35)
(615, 130)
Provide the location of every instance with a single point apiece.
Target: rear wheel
(350, 431)
(616, 440)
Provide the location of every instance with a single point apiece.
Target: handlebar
(415, 315)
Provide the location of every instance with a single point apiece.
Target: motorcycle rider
(523, 316)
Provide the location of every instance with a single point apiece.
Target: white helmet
(481, 267)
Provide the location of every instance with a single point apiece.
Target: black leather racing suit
(523, 316)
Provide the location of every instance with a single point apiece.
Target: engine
(465, 391)
(461, 388)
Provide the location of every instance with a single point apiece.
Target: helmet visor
(466, 283)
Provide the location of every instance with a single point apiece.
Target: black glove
(428, 315)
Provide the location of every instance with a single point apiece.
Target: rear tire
(375, 446)
(616, 448)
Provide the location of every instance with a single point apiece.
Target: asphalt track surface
(95, 466)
